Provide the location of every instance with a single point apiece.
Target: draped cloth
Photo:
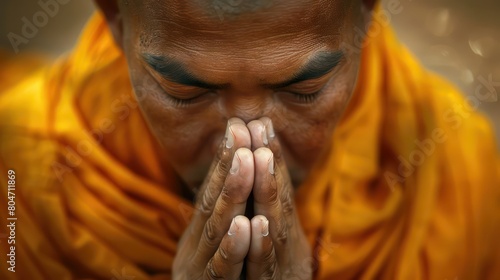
(408, 190)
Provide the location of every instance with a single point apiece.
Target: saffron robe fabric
(408, 190)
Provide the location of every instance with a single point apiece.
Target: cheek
(187, 138)
(306, 135)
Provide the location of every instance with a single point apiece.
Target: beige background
(458, 38)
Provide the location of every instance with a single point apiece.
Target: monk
(244, 140)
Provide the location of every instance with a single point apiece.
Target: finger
(273, 143)
(270, 185)
(234, 138)
(237, 136)
(261, 260)
(263, 135)
(267, 198)
(284, 183)
(258, 134)
(227, 263)
(230, 203)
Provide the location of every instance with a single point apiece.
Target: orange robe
(409, 189)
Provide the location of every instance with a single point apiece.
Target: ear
(367, 9)
(111, 11)
(369, 4)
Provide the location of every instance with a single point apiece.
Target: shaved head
(229, 8)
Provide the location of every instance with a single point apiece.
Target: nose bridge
(245, 98)
(247, 107)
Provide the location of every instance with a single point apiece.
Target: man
(312, 144)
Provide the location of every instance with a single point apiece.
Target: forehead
(267, 38)
(237, 23)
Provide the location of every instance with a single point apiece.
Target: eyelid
(170, 88)
(309, 89)
(320, 81)
(310, 86)
(184, 102)
(164, 81)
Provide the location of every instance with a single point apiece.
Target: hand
(278, 246)
(217, 240)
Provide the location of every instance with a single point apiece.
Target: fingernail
(265, 227)
(264, 136)
(232, 228)
(270, 130)
(229, 138)
(270, 165)
(235, 166)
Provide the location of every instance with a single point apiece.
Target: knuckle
(282, 234)
(205, 205)
(219, 209)
(268, 256)
(212, 272)
(223, 167)
(233, 194)
(270, 271)
(223, 253)
(272, 194)
(225, 194)
(210, 233)
(286, 203)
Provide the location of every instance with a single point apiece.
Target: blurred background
(460, 39)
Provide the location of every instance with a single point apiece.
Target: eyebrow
(319, 65)
(176, 72)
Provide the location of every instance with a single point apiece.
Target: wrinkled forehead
(236, 23)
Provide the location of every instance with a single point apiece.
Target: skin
(271, 244)
(241, 58)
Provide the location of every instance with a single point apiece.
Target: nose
(247, 108)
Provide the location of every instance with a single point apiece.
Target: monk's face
(194, 64)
